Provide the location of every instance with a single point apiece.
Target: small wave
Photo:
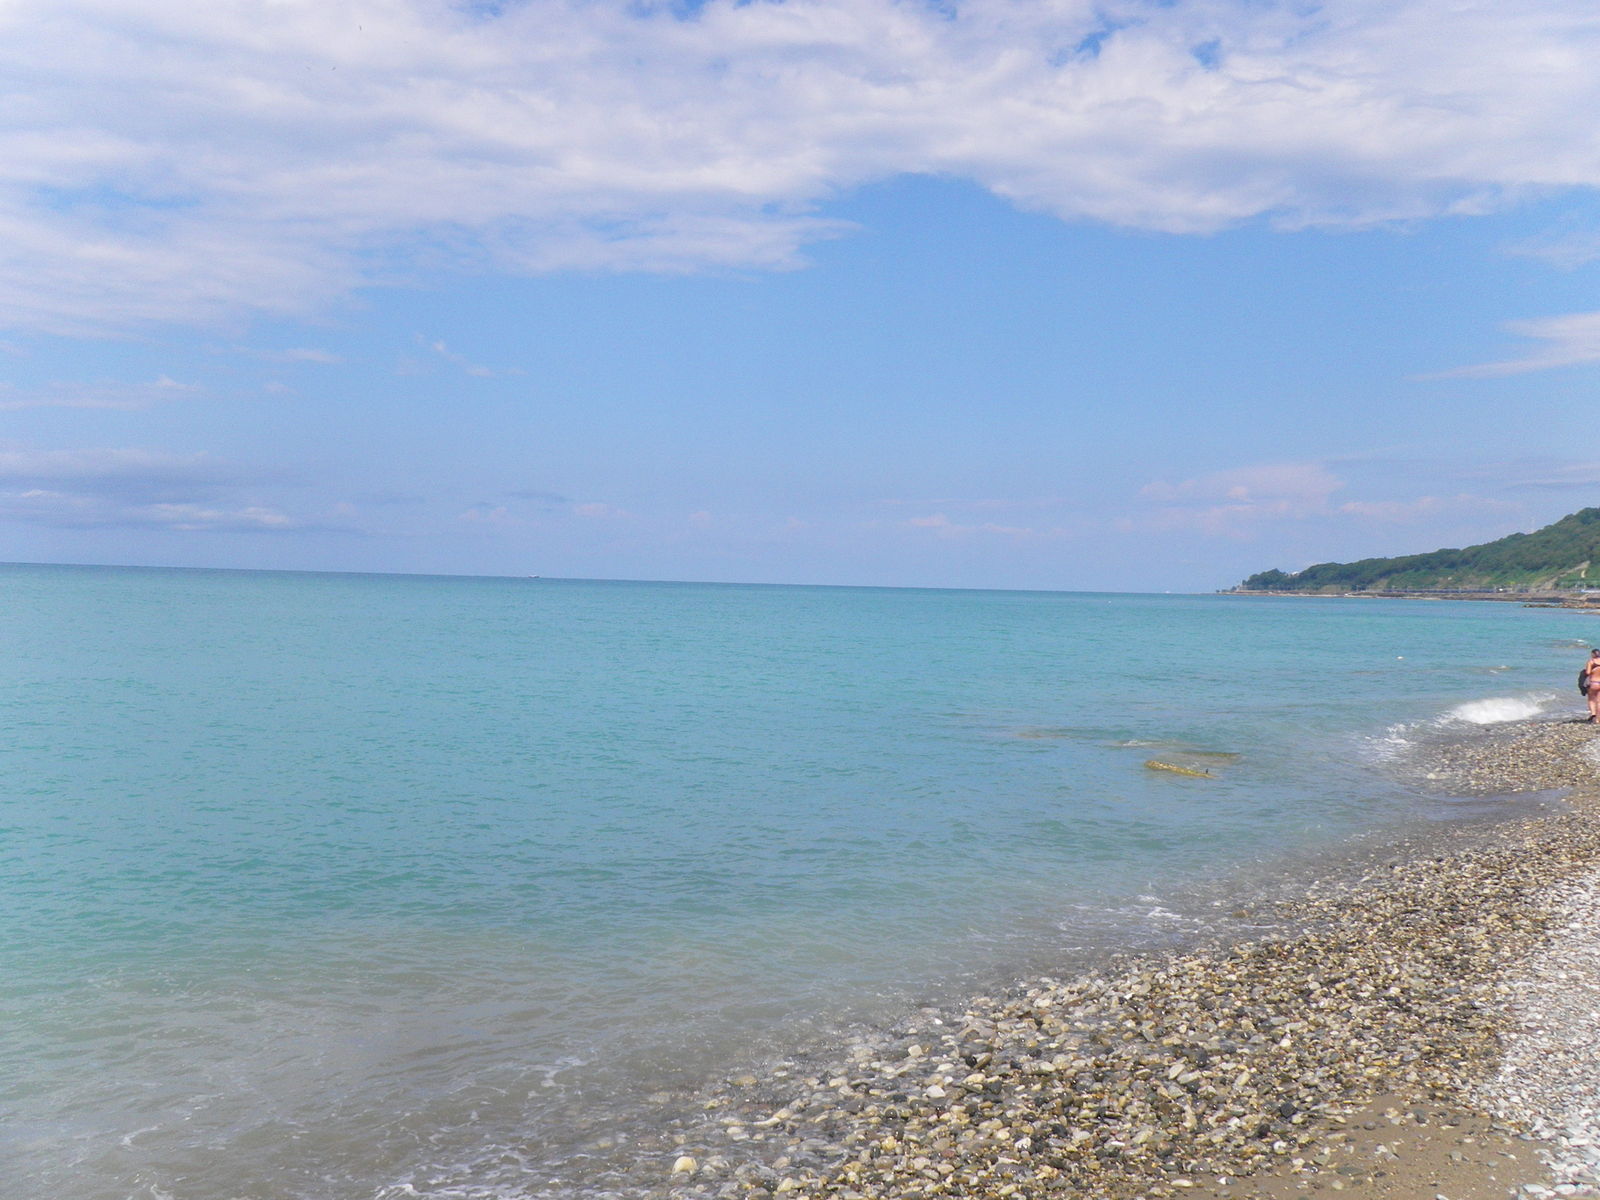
(1402, 738)
(1187, 748)
(1496, 710)
(1397, 742)
(1393, 742)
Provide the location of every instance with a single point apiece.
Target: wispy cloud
(291, 354)
(1043, 518)
(1281, 487)
(476, 370)
(1568, 250)
(538, 496)
(1568, 341)
(483, 513)
(1535, 474)
(126, 488)
(1584, 477)
(943, 526)
(1237, 503)
(181, 163)
(102, 395)
(71, 510)
(1405, 512)
(981, 504)
(596, 510)
(150, 474)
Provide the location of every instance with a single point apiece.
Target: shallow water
(339, 886)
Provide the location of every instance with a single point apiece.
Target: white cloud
(163, 161)
(1569, 341)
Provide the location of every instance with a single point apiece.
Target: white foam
(1394, 740)
(1496, 710)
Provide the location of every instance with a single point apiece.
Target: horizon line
(897, 587)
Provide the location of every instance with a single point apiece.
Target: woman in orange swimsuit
(1591, 685)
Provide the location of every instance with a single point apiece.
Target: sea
(360, 887)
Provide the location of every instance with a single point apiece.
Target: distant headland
(1552, 564)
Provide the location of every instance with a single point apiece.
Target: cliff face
(1556, 557)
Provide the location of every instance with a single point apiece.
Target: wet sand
(1413, 1031)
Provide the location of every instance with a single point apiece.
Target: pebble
(1549, 1078)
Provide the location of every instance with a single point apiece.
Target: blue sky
(1015, 293)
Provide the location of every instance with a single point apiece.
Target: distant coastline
(1585, 601)
(1549, 564)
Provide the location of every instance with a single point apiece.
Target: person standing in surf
(1589, 684)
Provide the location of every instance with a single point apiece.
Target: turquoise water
(366, 886)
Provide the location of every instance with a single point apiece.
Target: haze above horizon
(1038, 294)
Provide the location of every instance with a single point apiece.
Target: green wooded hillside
(1557, 556)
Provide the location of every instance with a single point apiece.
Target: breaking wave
(1496, 710)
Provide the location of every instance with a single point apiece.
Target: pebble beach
(1423, 1024)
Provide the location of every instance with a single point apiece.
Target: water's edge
(1503, 868)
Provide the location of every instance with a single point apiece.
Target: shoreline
(1353, 1049)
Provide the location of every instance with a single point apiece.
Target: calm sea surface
(339, 886)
